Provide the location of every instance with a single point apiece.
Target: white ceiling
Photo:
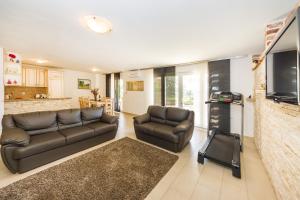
(146, 33)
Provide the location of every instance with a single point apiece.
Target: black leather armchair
(167, 127)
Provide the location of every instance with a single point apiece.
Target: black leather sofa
(167, 127)
(30, 140)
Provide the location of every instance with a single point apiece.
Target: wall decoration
(84, 84)
(12, 69)
(135, 85)
(13, 58)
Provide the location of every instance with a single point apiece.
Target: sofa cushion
(171, 123)
(69, 118)
(40, 143)
(157, 120)
(157, 112)
(90, 115)
(37, 122)
(165, 132)
(159, 130)
(101, 128)
(177, 114)
(147, 127)
(76, 134)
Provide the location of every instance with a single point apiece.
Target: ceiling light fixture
(40, 61)
(98, 24)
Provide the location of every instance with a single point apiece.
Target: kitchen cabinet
(34, 76)
(42, 77)
(55, 84)
(30, 75)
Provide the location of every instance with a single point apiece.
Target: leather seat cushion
(101, 128)
(161, 131)
(177, 114)
(69, 118)
(90, 115)
(157, 112)
(77, 134)
(147, 127)
(36, 120)
(40, 143)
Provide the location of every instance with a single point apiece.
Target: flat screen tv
(282, 67)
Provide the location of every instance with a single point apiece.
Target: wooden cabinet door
(23, 76)
(55, 84)
(45, 77)
(34, 76)
(42, 77)
(30, 76)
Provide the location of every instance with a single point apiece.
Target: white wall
(100, 83)
(1, 88)
(137, 102)
(71, 88)
(242, 81)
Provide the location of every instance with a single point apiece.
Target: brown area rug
(124, 169)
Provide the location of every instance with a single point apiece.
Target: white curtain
(192, 90)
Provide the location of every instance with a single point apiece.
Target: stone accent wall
(277, 137)
(271, 31)
(274, 27)
(16, 107)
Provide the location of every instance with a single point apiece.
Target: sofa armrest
(182, 127)
(15, 136)
(109, 118)
(142, 118)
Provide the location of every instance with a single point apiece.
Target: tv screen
(281, 62)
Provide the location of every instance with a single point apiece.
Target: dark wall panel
(219, 80)
(161, 77)
(108, 78)
(117, 88)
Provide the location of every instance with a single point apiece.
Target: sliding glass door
(170, 92)
(185, 87)
(157, 90)
(117, 87)
(186, 90)
(192, 90)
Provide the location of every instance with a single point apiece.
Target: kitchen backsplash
(19, 92)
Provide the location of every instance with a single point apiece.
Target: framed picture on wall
(84, 84)
(135, 86)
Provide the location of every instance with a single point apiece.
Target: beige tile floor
(187, 179)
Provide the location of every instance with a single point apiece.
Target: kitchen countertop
(48, 99)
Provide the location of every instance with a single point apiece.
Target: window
(170, 95)
(157, 91)
(185, 87)
(164, 86)
(192, 90)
